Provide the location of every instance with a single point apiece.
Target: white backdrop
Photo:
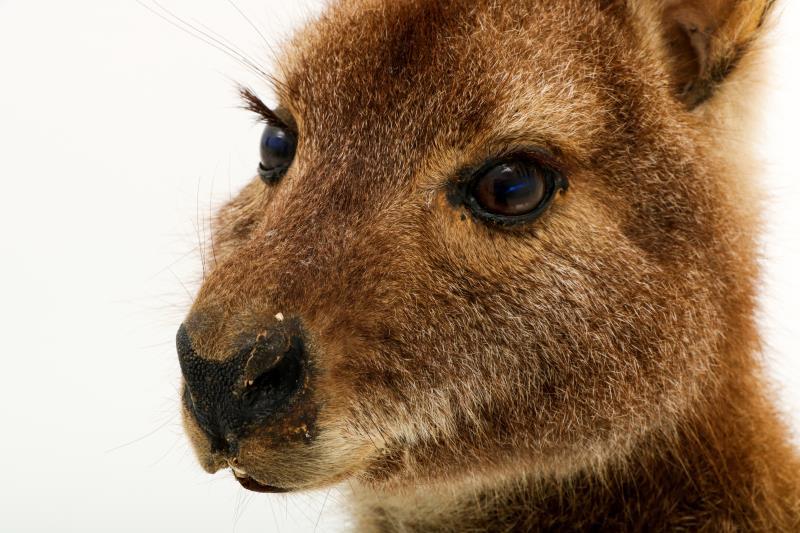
(118, 134)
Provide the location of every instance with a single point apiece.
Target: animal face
(486, 236)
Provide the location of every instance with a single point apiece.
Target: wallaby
(498, 270)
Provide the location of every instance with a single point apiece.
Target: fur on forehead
(415, 74)
(615, 334)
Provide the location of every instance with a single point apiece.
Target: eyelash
(463, 191)
(254, 104)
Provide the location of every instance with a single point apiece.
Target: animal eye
(278, 146)
(514, 191)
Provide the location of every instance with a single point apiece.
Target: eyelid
(542, 157)
(287, 121)
(272, 175)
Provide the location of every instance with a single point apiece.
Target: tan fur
(597, 369)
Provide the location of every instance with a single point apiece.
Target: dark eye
(513, 191)
(277, 152)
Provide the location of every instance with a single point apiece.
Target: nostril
(273, 374)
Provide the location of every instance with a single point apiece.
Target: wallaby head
(489, 240)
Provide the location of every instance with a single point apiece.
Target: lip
(253, 485)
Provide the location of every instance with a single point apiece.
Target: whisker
(250, 22)
(198, 34)
(156, 345)
(146, 435)
(175, 262)
(212, 36)
(197, 227)
(241, 507)
(189, 294)
(222, 39)
(302, 511)
(321, 509)
(166, 454)
(209, 222)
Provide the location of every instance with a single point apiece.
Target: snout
(254, 391)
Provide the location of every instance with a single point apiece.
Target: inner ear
(706, 39)
(690, 27)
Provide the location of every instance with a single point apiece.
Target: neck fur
(727, 467)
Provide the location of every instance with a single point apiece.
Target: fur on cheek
(597, 367)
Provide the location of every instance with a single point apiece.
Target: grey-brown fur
(597, 369)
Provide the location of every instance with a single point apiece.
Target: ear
(706, 40)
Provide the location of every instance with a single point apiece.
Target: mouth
(253, 485)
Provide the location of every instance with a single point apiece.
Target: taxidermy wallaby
(498, 270)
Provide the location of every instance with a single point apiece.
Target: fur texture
(597, 369)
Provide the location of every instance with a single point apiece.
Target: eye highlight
(512, 191)
(278, 146)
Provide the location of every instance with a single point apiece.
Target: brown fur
(597, 369)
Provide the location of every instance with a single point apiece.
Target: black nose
(251, 389)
